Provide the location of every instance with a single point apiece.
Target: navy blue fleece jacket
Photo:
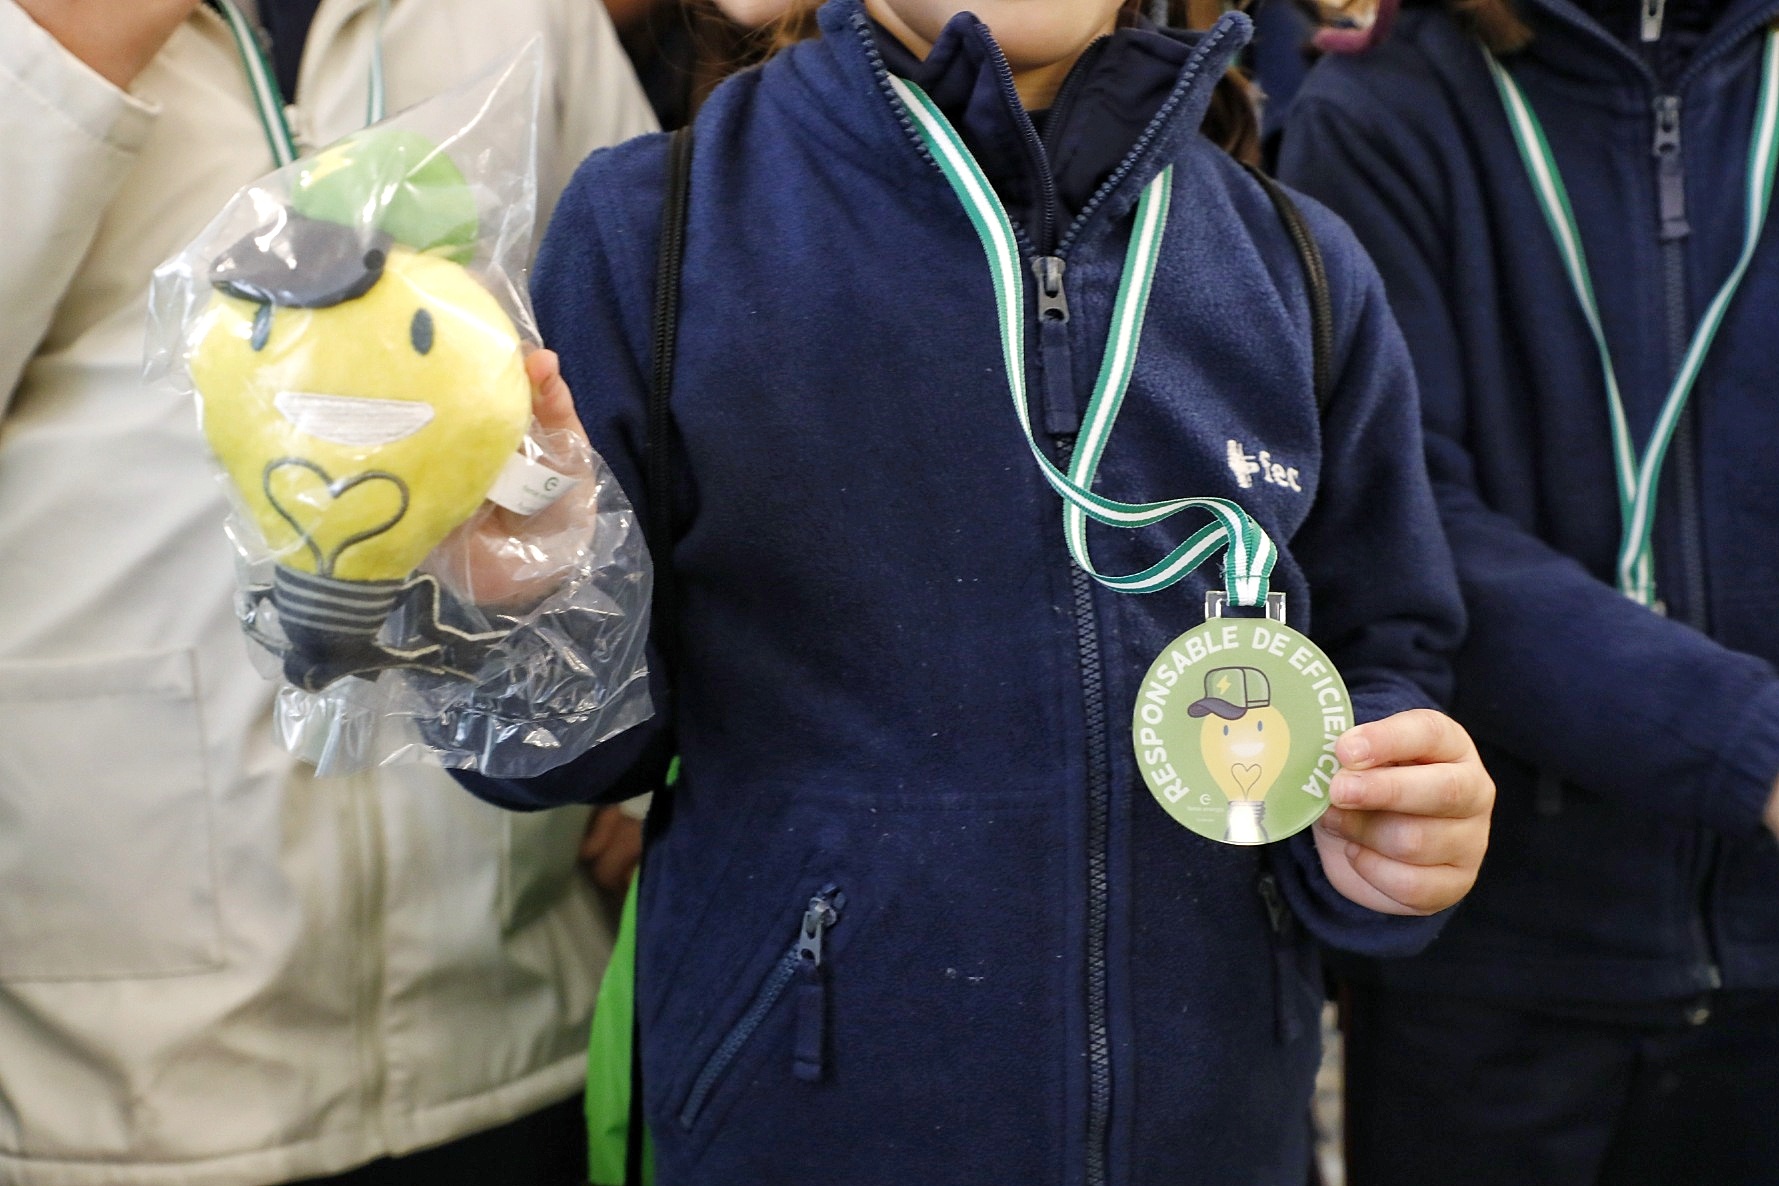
(893, 685)
(1633, 751)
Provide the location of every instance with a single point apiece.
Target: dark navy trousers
(1462, 1092)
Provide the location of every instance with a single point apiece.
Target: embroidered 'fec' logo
(1246, 466)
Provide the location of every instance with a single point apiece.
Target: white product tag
(526, 487)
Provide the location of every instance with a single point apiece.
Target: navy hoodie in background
(1633, 752)
(899, 704)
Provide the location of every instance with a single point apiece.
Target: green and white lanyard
(269, 100)
(1251, 554)
(1638, 479)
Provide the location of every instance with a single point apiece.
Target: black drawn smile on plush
(336, 489)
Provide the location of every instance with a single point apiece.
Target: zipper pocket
(1286, 1026)
(802, 963)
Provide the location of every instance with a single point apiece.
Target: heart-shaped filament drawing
(332, 514)
(1245, 743)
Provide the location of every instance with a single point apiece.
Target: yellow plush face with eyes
(361, 433)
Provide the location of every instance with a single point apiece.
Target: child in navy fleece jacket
(910, 914)
(1605, 1007)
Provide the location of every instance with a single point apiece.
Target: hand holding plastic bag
(510, 558)
(356, 341)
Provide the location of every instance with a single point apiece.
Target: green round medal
(1235, 727)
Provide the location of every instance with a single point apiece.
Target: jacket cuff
(1377, 701)
(1343, 924)
(65, 89)
(1742, 783)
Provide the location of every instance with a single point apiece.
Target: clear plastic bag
(353, 328)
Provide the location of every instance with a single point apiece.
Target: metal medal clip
(1216, 600)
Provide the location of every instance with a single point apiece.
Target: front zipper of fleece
(804, 965)
(1037, 147)
(1050, 208)
(1062, 420)
(1047, 256)
(1673, 232)
(1671, 199)
(1099, 888)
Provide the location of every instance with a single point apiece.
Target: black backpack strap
(658, 481)
(1315, 278)
(657, 460)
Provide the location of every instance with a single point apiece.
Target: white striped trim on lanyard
(1639, 481)
(269, 100)
(1251, 553)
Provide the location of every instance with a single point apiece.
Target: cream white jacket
(213, 968)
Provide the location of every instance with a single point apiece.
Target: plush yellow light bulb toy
(362, 396)
(1245, 742)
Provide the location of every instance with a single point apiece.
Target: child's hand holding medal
(1409, 815)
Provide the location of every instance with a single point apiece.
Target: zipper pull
(1652, 19)
(1670, 172)
(1061, 416)
(1053, 303)
(810, 1048)
(823, 912)
(1286, 1025)
(1274, 901)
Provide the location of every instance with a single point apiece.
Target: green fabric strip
(268, 100)
(1639, 478)
(1250, 555)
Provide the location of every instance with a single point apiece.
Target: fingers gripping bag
(425, 564)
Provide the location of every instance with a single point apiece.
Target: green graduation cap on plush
(399, 182)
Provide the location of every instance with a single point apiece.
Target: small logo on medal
(1246, 466)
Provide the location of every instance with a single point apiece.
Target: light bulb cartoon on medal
(359, 386)
(1249, 761)
(1245, 742)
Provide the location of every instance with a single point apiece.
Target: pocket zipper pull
(1652, 20)
(809, 1054)
(1278, 916)
(823, 912)
(1274, 901)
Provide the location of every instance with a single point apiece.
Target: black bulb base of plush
(331, 625)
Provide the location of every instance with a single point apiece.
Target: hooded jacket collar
(1045, 169)
(1702, 30)
(1684, 26)
(1124, 111)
